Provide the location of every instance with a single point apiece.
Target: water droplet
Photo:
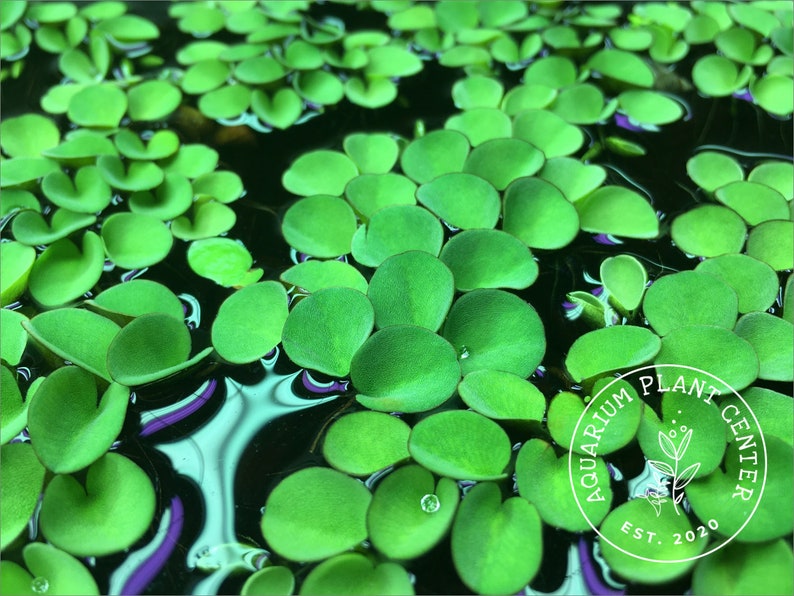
(430, 503)
(464, 352)
(40, 585)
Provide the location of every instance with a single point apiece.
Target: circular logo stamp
(705, 463)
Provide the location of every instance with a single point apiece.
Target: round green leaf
(28, 135)
(259, 70)
(205, 75)
(772, 409)
(274, 579)
(495, 330)
(438, 152)
(162, 144)
(773, 93)
(404, 368)
(371, 92)
(622, 67)
(481, 125)
(14, 415)
(314, 514)
(16, 261)
(107, 515)
(320, 225)
(411, 288)
(282, 110)
(714, 349)
(488, 259)
(548, 132)
(410, 513)
(362, 443)
(775, 174)
(496, 546)
(356, 574)
(78, 147)
(624, 277)
(537, 213)
(62, 573)
(98, 106)
(773, 243)
(396, 229)
(209, 218)
(619, 211)
(772, 339)
(137, 297)
(225, 102)
(753, 201)
(754, 282)
(718, 76)
(223, 186)
(223, 260)
(249, 322)
(324, 330)
(650, 107)
(369, 193)
(31, 228)
(319, 87)
(19, 170)
(502, 396)
(192, 161)
(168, 201)
(314, 275)
(460, 444)
(88, 193)
(319, 172)
(709, 231)
(68, 439)
(128, 28)
(64, 272)
(477, 92)
(463, 200)
(392, 61)
(135, 240)
(711, 170)
(373, 153)
(501, 161)
(746, 569)
(153, 100)
(610, 349)
(22, 478)
(581, 103)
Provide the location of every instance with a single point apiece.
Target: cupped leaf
(319, 87)
(502, 396)
(773, 243)
(555, 71)
(314, 514)
(153, 100)
(411, 288)
(135, 240)
(438, 152)
(496, 546)
(501, 161)
(773, 93)
(249, 322)
(373, 153)
(28, 135)
(313, 275)
(87, 193)
(160, 145)
(107, 515)
(129, 28)
(137, 297)
(324, 330)
(19, 170)
(138, 354)
(460, 444)
(772, 339)
(281, 111)
(690, 298)
(30, 227)
(13, 337)
(259, 70)
(718, 76)
(624, 277)
(81, 145)
(98, 106)
(716, 350)
(63, 272)
(168, 201)
(489, 259)
(372, 92)
(61, 572)
(138, 175)
(22, 478)
(396, 229)
(548, 132)
(463, 200)
(709, 231)
(16, 261)
(355, 574)
(369, 193)
(404, 368)
(208, 218)
(411, 512)
(362, 443)
(68, 439)
(582, 103)
(543, 480)
(495, 330)
(610, 349)
(320, 225)
(223, 186)
(226, 102)
(319, 172)
(537, 213)
(619, 211)
(754, 282)
(223, 260)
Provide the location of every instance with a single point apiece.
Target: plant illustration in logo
(679, 479)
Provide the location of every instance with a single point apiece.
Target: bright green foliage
(610, 349)
(746, 569)
(355, 574)
(22, 480)
(772, 339)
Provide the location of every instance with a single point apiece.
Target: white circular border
(571, 452)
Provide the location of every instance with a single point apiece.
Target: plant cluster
(413, 256)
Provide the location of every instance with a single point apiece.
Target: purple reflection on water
(597, 291)
(744, 95)
(315, 387)
(593, 581)
(149, 569)
(180, 414)
(623, 122)
(604, 239)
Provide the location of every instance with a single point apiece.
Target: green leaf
(488, 259)
(496, 546)
(772, 339)
(139, 175)
(372, 153)
(129, 28)
(411, 288)
(319, 87)
(324, 330)
(319, 172)
(19, 170)
(404, 368)
(543, 480)
(68, 439)
(16, 261)
(392, 61)
(363, 443)
(274, 579)
(477, 92)
(717, 76)
(13, 337)
(108, 515)
(28, 135)
(134, 298)
(369, 193)
(610, 349)
(226, 102)
(625, 68)
(548, 132)
(745, 569)
(209, 218)
(711, 170)
(21, 482)
(259, 70)
(314, 514)
(223, 186)
(162, 144)
(396, 229)
(495, 330)
(370, 92)
(76, 335)
(771, 409)
(223, 260)
(281, 111)
(411, 512)
(313, 275)
(755, 202)
(249, 322)
(501, 161)
(204, 76)
(775, 174)
(773, 243)
(581, 103)
(754, 282)
(625, 278)
(153, 100)
(30, 227)
(87, 193)
(168, 201)
(355, 574)
(460, 444)
(537, 213)
(438, 152)
(463, 200)
(481, 125)
(135, 240)
(650, 107)
(98, 106)
(619, 211)
(320, 225)
(709, 231)
(62, 573)
(502, 396)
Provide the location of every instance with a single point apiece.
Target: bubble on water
(464, 352)
(430, 503)
(40, 585)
